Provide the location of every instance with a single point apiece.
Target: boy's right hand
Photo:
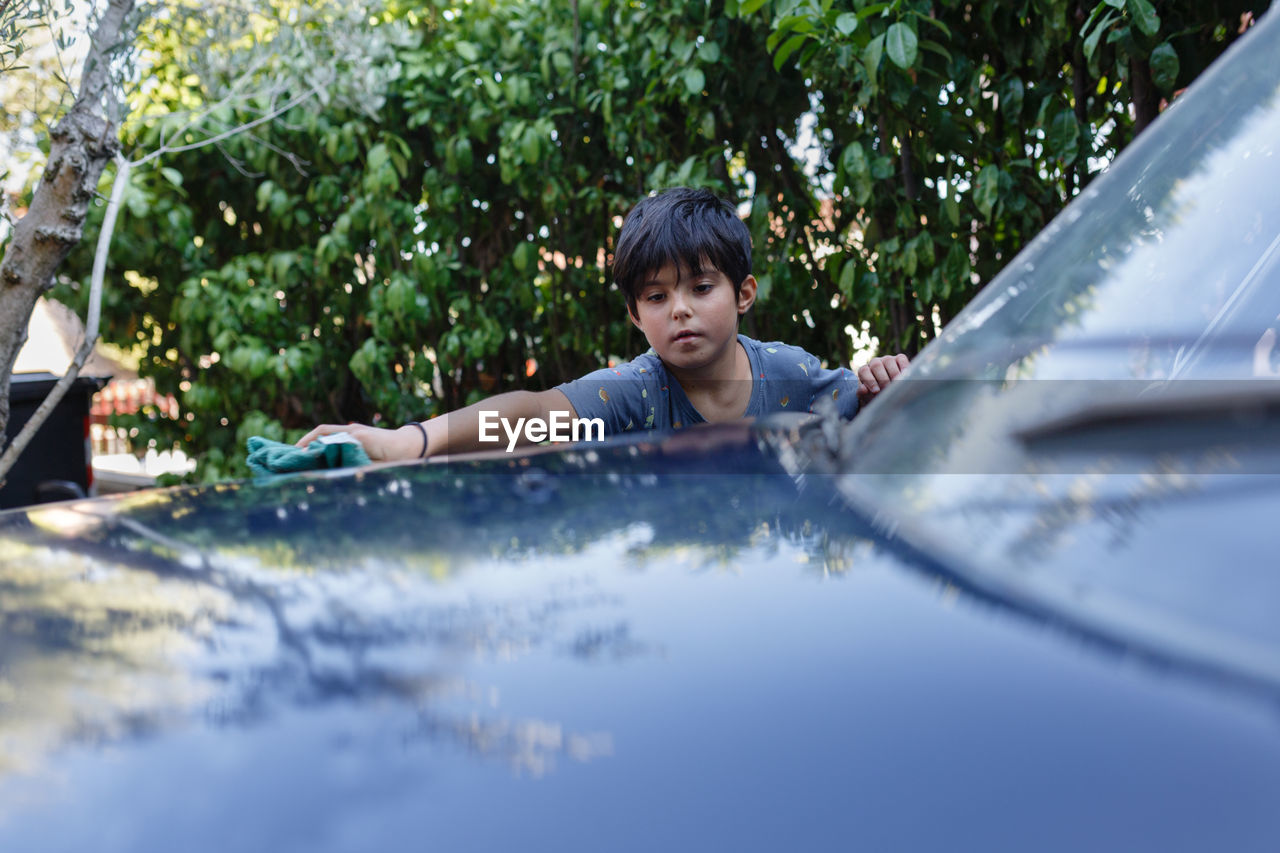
(876, 374)
(382, 445)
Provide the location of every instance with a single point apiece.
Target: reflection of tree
(234, 603)
(527, 746)
(437, 518)
(93, 652)
(1093, 543)
(80, 650)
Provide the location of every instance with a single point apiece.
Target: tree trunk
(1146, 98)
(81, 144)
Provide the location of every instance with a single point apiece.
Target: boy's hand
(382, 445)
(878, 373)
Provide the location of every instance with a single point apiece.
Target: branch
(291, 158)
(233, 94)
(213, 140)
(33, 424)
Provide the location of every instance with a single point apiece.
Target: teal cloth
(267, 457)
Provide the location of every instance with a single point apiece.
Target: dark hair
(685, 227)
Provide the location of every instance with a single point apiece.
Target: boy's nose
(680, 306)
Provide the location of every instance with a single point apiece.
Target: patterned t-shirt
(642, 395)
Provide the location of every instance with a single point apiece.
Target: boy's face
(691, 321)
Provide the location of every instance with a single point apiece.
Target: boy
(683, 262)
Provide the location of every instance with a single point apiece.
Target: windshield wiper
(1168, 416)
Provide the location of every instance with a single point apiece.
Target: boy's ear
(747, 294)
(635, 319)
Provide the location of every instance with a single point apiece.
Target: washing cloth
(340, 450)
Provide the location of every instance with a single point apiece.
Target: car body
(1026, 600)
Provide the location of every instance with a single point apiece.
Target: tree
(950, 133)
(277, 62)
(406, 262)
(82, 143)
(347, 264)
(17, 18)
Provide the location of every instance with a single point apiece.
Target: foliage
(17, 19)
(26, 32)
(445, 233)
(342, 265)
(952, 132)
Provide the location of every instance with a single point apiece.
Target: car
(1026, 600)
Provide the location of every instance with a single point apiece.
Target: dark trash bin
(58, 462)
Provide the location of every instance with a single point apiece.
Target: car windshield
(1165, 267)
(1164, 273)
(1108, 391)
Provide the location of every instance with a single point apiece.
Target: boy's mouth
(686, 335)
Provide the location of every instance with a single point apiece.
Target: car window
(1167, 266)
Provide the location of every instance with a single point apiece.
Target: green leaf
(263, 195)
(1011, 96)
(1091, 43)
(882, 167)
(1062, 138)
(796, 23)
(530, 146)
(901, 45)
(709, 52)
(946, 31)
(955, 270)
(468, 51)
(1092, 20)
(1123, 36)
(858, 171)
(788, 47)
(986, 189)
(174, 177)
(951, 199)
(848, 276)
(846, 23)
(871, 55)
(934, 47)
(1164, 66)
(908, 259)
(462, 151)
(854, 160)
(750, 6)
(694, 80)
(1144, 15)
(951, 205)
(524, 256)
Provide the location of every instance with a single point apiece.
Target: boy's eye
(702, 287)
(653, 297)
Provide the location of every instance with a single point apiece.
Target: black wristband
(423, 430)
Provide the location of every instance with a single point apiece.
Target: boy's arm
(455, 432)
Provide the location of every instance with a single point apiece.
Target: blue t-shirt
(643, 395)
